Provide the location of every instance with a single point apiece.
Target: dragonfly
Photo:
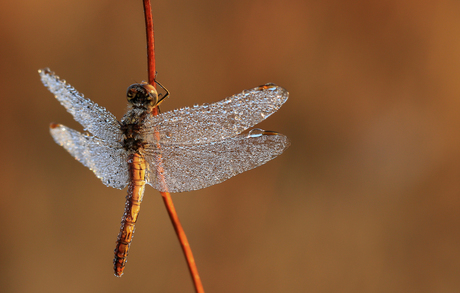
(181, 150)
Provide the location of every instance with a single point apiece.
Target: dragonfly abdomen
(136, 169)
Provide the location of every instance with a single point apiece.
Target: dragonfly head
(142, 95)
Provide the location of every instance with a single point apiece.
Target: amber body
(133, 203)
(142, 99)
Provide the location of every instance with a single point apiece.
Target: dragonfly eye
(142, 95)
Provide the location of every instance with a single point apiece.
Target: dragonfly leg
(163, 97)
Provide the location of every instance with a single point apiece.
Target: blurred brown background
(367, 199)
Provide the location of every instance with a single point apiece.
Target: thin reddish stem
(150, 42)
(183, 242)
(166, 196)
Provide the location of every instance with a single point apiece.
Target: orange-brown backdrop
(367, 199)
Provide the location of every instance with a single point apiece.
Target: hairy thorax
(133, 140)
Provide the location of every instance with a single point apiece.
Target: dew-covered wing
(107, 161)
(192, 167)
(95, 119)
(217, 121)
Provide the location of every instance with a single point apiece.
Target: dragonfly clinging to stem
(176, 151)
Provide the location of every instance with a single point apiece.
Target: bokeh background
(367, 198)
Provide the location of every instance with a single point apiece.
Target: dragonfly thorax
(142, 95)
(131, 126)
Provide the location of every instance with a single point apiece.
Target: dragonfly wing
(217, 121)
(91, 116)
(107, 161)
(192, 167)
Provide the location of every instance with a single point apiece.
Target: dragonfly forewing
(217, 121)
(95, 119)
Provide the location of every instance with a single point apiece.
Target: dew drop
(256, 132)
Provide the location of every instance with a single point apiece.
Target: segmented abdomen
(136, 169)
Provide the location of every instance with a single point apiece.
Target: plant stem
(150, 42)
(166, 196)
